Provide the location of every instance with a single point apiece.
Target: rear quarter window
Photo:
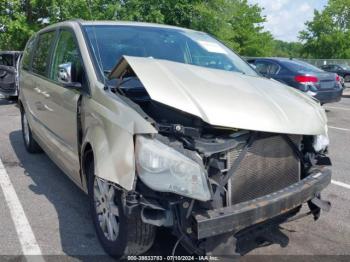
(41, 53)
(299, 66)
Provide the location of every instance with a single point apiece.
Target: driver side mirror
(66, 75)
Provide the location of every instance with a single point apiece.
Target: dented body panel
(109, 127)
(228, 99)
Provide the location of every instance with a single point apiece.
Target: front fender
(113, 158)
(109, 128)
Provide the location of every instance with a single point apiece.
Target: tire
(29, 142)
(133, 238)
(13, 98)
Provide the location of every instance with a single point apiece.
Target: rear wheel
(29, 141)
(119, 235)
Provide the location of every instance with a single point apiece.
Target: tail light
(306, 79)
(337, 78)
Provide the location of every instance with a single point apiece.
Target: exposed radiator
(269, 165)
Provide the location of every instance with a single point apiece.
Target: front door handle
(37, 89)
(45, 94)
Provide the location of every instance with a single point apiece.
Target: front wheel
(119, 235)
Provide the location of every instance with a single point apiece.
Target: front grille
(268, 166)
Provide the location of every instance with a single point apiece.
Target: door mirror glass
(64, 74)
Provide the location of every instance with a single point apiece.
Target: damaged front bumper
(234, 218)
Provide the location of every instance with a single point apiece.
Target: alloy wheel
(106, 209)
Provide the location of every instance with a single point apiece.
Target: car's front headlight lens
(321, 142)
(164, 169)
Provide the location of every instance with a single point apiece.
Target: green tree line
(237, 23)
(328, 34)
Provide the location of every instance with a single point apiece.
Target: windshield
(110, 42)
(301, 66)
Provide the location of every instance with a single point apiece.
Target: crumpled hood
(228, 99)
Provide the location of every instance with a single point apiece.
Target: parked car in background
(342, 82)
(9, 62)
(167, 127)
(341, 70)
(324, 86)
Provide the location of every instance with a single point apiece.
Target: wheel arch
(87, 156)
(20, 105)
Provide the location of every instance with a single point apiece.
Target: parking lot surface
(58, 219)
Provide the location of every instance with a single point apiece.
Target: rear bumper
(329, 96)
(237, 217)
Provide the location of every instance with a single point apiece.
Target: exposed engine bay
(241, 166)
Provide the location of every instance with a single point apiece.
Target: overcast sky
(285, 18)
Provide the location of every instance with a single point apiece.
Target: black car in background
(324, 86)
(342, 70)
(9, 62)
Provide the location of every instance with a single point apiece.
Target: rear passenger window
(273, 69)
(41, 53)
(27, 53)
(267, 68)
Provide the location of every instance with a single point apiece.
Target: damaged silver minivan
(166, 127)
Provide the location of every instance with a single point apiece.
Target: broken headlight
(164, 169)
(321, 142)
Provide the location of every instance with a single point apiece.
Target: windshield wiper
(127, 79)
(122, 81)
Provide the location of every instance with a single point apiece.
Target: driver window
(66, 51)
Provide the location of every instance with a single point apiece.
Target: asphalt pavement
(59, 221)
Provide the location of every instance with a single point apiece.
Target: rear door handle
(37, 89)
